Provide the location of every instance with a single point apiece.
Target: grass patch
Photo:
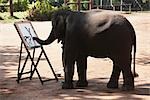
(6, 18)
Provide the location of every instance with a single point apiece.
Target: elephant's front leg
(81, 69)
(69, 72)
(68, 64)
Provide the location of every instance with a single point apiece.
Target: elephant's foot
(112, 85)
(128, 84)
(127, 87)
(82, 84)
(67, 85)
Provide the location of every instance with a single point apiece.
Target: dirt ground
(99, 70)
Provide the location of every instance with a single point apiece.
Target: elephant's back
(115, 37)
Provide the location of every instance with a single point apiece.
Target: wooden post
(78, 5)
(11, 7)
(65, 2)
(121, 3)
(110, 2)
(90, 4)
(101, 3)
(129, 8)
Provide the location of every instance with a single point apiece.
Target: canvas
(27, 32)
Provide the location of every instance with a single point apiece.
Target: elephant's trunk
(49, 40)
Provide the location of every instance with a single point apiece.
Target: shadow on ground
(144, 60)
(96, 90)
(51, 90)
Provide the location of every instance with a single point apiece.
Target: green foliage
(4, 9)
(43, 6)
(73, 6)
(85, 5)
(115, 1)
(6, 18)
(146, 5)
(50, 1)
(1, 18)
(144, 1)
(4, 1)
(42, 11)
(21, 5)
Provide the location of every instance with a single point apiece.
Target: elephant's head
(58, 27)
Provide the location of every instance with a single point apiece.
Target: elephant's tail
(134, 55)
(133, 36)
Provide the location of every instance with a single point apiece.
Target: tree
(11, 7)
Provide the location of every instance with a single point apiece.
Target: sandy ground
(99, 70)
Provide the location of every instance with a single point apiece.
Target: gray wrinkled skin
(98, 34)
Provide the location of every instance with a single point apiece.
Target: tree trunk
(11, 7)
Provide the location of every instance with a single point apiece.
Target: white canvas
(28, 33)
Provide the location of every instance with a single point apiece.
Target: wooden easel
(26, 33)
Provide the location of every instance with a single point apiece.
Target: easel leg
(20, 70)
(18, 74)
(32, 64)
(35, 67)
(49, 63)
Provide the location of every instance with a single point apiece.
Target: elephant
(95, 33)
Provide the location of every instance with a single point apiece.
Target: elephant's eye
(54, 24)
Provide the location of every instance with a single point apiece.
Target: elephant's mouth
(62, 42)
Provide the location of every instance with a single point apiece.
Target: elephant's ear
(60, 27)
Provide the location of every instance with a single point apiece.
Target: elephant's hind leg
(128, 78)
(81, 69)
(125, 63)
